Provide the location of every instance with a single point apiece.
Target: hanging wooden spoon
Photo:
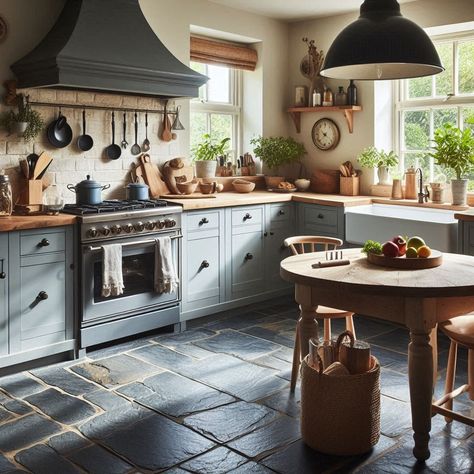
(166, 134)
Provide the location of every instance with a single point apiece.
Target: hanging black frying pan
(84, 142)
(59, 132)
(113, 151)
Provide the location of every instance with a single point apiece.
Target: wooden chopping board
(152, 176)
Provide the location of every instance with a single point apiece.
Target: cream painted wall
(426, 13)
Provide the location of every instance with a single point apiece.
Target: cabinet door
(4, 277)
(248, 269)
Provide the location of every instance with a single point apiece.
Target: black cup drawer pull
(247, 216)
(44, 243)
(205, 264)
(248, 256)
(3, 275)
(203, 221)
(320, 216)
(281, 212)
(42, 295)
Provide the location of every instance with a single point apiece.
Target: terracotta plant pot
(205, 168)
(273, 181)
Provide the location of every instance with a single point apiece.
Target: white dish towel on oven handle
(166, 278)
(112, 277)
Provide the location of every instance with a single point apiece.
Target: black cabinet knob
(265, 234)
(271, 233)
(203, 221)
(3, 275)
(320, 216)
(205, 264)
(247, 216)
(281, 212)
(42, 295)
(44, 243)
(248, 256)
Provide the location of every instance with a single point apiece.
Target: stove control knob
(128, 228)
(160, 224)
(93, 232)
(105, 231)
(150, 225)
(170, 222)
(116, 229)
(139, 226)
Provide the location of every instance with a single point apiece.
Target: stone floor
(213, 399)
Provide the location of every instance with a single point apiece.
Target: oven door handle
(127, 244)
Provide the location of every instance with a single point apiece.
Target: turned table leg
(420, 374)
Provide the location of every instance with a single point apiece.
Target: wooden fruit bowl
(403, 263)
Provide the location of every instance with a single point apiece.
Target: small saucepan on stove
(88, 191)
(137, 192)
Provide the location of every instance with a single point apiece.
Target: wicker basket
(340, 414)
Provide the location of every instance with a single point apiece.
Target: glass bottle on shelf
(341, 97)
(6, 201)
(352, 93)
(328, 99)
(316, 98)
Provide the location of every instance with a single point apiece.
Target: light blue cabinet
(466, 237)
(322, 220)
(40, 316)
(4, 275)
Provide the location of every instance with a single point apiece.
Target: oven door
(138, 269)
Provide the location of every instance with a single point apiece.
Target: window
(427, 103)
(217, 111)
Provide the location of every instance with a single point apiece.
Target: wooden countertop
(465, 216)
(230, 198)
(35, 222)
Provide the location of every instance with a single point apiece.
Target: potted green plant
(205, 155)
(381, 160)
(454, 150)
(26, 122)
(275, 152)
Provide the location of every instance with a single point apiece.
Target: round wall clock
(325, 134)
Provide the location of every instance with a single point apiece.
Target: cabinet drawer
(42, 242)
(247, 219)
(280, 213)
(203, 221)
(321, 216)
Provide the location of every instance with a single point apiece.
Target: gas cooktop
(113, 205)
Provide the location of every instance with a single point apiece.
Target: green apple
(415, 242)
(411, 252)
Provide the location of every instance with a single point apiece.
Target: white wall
(426, 13)
(171, 20)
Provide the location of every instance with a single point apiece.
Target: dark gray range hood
(108, 46)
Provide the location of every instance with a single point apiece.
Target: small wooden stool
(303, 244)
(460, 331)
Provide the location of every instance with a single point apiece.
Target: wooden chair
(303, 244)
(460, 331)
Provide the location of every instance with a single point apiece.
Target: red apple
(401, 244)
(390, 249)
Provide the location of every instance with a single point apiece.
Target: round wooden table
(419, 299)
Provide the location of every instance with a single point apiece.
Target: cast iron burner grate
(113, 206)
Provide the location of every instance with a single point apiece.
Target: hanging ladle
(84, 142)
(113, 151)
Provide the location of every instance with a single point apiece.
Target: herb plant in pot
(26, 123)
(381, 160)
(454, 150)
(206, 153)
(275, 152)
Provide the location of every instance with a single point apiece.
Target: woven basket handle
(341, 338)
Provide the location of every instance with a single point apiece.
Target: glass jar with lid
(6, 201)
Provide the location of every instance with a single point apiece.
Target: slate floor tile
(65, 380)
(17, 406)
(106, 400)
(284, 401)
(395, 417)
(174, 340)
(193, 351)
(459, 461)
(273, 362)
(286, 338)
(42, 459)
(175, 395)
(155, 442)
(230, 421)
(237, 344)
(394, 385)
(251, 468)
(24, 431)
(5, 415)
(96, 460)
(6, 465)
(390, 359)
(162, 357)
(61, 407)
(285, 353)
(118, 348)
(218, 461)
(20, 385)
(260, 442)
(239, 378)
(242, 320)
(67, 442)
(115, 370)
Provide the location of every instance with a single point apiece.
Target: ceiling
(295, 9)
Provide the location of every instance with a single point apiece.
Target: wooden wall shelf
(347, 110)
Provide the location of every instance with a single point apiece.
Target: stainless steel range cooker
(135, 225)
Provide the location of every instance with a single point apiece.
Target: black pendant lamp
(381, 44)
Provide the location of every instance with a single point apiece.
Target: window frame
(233, 108)
(429, 104)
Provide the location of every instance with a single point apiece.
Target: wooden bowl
(403, 263)
(243, 186)
(187, 188)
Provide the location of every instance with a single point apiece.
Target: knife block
(32, 192)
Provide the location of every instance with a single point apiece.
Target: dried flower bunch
(312, 63)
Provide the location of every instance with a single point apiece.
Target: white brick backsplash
(18, 148)
(106, 177)
(63, 164)
(66, 97)
(85, 98)
(46, 95)
(84, 164)
(72, 177)
(109, 100)
(6, 161)
(3, 147)
(104, 164)
(130, 102)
